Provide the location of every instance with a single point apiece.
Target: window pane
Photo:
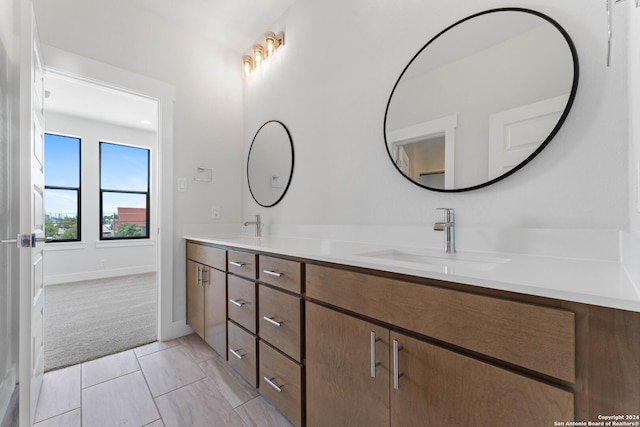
(62, 161)
(124, 215)
(61, 214)
(123, 168)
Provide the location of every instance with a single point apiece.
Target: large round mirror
(270, 163)
(481, 99)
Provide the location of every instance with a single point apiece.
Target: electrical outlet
(103, 263)
(215, 212)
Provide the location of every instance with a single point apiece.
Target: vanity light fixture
(260, 53)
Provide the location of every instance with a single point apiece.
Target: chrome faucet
(258, 225)
(448, 226)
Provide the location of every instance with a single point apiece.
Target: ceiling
(233, 24)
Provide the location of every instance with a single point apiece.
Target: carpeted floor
(87, 320)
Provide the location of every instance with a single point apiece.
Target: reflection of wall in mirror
(534, 67)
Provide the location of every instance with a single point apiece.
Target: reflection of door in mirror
(515, 134)
(425, 152)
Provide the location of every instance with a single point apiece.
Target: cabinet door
(438, 387)
(215, 310)
(343, 388)
(195, 297)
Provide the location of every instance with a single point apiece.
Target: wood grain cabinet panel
(207, 255)
(242, 302)
(195, 297)
(347, 383)
(283, 328)
(243, 353)
(215, 310)
(280, 272)
(242, 264)
(280, 381)
(438, 387)
(538, 338)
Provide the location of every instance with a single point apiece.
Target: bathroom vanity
(333, 339)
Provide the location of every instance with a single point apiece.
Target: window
(124, 192)
(62, 188)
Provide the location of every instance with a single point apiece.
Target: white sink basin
(462, 261)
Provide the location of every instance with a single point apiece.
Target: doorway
(101, 285)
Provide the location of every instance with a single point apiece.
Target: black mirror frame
(552, 134)
(292, 163)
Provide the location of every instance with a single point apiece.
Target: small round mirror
(270, 163)
(481, 99)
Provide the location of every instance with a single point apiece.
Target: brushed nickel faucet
(448, 226)
(257, 223)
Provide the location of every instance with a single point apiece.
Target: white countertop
(603, 282)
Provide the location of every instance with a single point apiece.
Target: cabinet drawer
(207, 255)
(242, 263)
(538, 338)
(281, 382)
(241, 303)
(242, 352)
(282, 273)
(286, 311)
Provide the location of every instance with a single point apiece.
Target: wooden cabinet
(243, 353)
(206, 295)
(347, 370)
(404, 381)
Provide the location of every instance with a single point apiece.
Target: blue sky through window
(62, 169)
(123, 168)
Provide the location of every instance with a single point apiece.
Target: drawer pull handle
(272, 273)
(272, 384)
(273, 322)
(396, 368)
(236, 302)
(373, 354)
(236, 354)
(237, 264)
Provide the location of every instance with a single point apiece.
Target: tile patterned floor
(176, 383)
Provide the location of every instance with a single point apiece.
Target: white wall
(92, 258)
(208, 103)
(330, 85)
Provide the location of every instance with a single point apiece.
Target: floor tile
(259, 412)
(156, 423)
(198, 404)
(68, 419)
(155, 346)
(60, 393)
(169, 369)
(124, 401)
(233, 387)
(197, 348)
(108, 368)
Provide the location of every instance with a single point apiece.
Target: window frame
(77, 189)
(102, 191)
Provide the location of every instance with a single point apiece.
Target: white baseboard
(174, 330)
(98, 274)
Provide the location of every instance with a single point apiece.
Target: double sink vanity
(346, 333)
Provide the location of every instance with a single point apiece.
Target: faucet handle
(449, 214)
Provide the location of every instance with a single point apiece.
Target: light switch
(182, 185)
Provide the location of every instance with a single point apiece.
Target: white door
(516, 133)
(31, 197)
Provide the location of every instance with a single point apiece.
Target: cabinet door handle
(374, 364)
(236, 302)
(237, 264)
(199, 275)
(272, 273)
(273, 322)
(396, 368)
(205, 275)
(272, 384)
(236, 354)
